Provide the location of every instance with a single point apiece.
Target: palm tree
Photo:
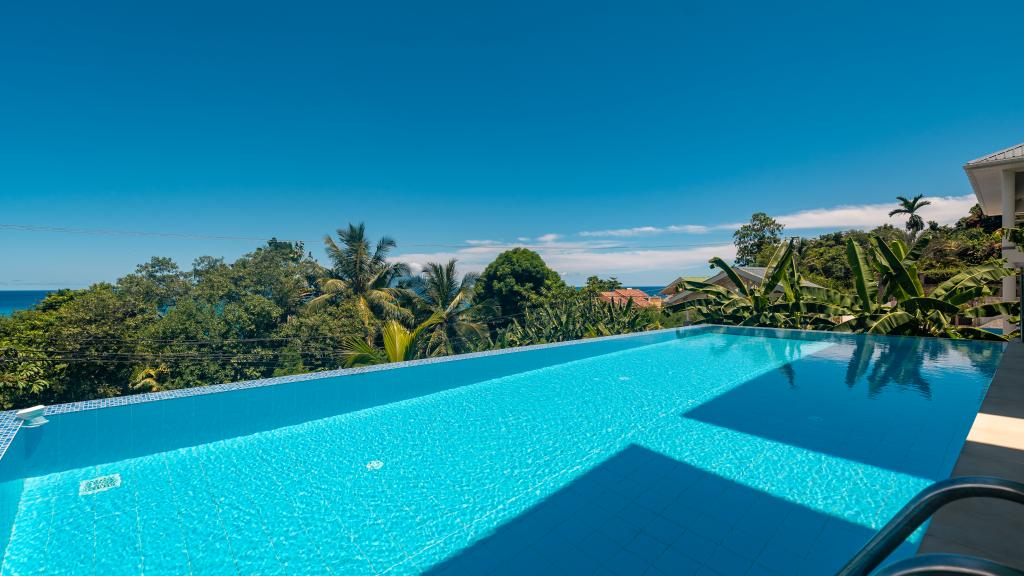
(400, 344)
(148, 378)
(445, 297)
(363, 274)
(910, 207)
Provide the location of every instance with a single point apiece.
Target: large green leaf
(899, 248)
(918, 249)
(973, 276)
(972, 333)
(737, 304)
(776, 269)
(908, 282)
(863, 282)
(820, 308)
(695, 304)
(827, 296)
(1014, 235)
(992, 309)
(731, 274)
(964, 294)
(888, 323)
(704, 287)
(357, 352)
(925, 305)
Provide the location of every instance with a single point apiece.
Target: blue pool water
(741, 451)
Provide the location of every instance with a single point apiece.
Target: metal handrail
(920, 508)
(947, 565)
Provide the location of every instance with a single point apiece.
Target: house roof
(627, 292)
(755, 273)
(750, 273)
(671, 288)
(986, 176)
(623, 295)
(1005, 155)
(759, 271)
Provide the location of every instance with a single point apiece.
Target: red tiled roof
(624, 295)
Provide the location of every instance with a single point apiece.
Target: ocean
(11, 300)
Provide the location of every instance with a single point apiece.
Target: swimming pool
(743, 450)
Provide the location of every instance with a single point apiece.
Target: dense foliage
(973, 240)
(888, 296)
(277, 311)
(516, 279)
(755, 241)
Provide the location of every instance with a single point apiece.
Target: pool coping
(987, 528)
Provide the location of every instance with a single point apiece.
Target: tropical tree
(365, 275)
(446, 297)
(598, 284)
(149, 379)
(756, 241)
(910, 207)
(398, 345)
(514, 280)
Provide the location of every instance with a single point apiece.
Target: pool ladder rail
(919, 510)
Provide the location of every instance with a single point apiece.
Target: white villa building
(998, 182)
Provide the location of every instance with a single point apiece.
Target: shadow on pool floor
(640, 512)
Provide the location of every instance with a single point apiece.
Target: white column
(1009, 220)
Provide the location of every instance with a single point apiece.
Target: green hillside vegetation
(279, 311)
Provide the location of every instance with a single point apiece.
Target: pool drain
(374, 465)
(101, 484)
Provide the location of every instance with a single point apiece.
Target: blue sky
(462, 128)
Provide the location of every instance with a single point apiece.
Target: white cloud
(578, 260)
(649, 231)
(943, 209)
(663, 262)
(606, 253)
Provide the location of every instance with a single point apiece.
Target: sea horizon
(14, 300)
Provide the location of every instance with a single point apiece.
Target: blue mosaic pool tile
(9, 426)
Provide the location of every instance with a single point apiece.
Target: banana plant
(894, 301)
(888, 296)
(575, 317)
(780, 300)
(1014, 235)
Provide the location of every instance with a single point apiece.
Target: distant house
(623, 295)
(673, 287)
(750, 275)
